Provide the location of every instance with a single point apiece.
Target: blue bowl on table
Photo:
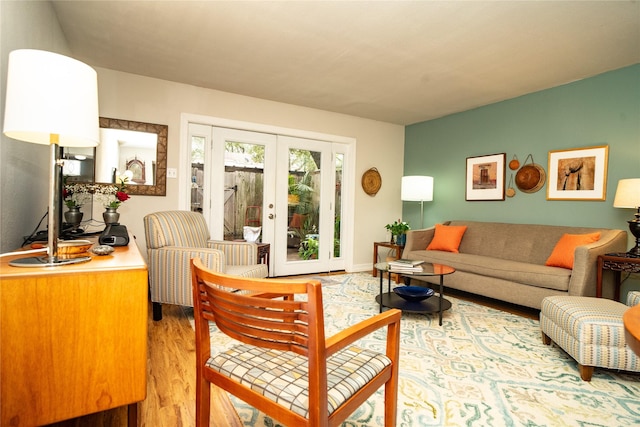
(413, 293)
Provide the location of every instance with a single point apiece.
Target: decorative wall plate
(371, 181)
(531, 177)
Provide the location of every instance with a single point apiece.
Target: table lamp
(417, 189)
(628, 196)
(52, 100)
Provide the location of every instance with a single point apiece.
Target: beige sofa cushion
(529, 243)
(515, 271)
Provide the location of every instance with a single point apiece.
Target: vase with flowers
(112, 196)
(74, 196)
(398, 228)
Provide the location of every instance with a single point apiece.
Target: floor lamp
(628, 196)
(51, 100)
(417, 189)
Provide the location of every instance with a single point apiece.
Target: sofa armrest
(585, 263)
(418, 239)
(236, 253)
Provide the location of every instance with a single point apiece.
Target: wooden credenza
(73, 338)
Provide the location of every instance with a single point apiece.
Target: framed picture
(485, 177)
(578, 174)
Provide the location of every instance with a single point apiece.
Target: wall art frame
(578, 174)
(485, 177)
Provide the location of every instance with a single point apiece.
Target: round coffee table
(429, 305)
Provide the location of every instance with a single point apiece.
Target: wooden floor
(170, 398)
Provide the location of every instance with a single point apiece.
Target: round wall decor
(371, 181)
(531, 177)
(514, 164)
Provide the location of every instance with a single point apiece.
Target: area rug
(482, 367)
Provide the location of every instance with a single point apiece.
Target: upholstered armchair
(173, 239)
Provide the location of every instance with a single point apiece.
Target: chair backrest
(176, 228)
(255, 317)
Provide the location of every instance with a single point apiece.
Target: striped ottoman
(590, 330)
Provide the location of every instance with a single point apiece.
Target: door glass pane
(243, 190)
(339, 161)
(197, 172)
(303, 205)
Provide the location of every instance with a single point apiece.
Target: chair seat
(282, 375)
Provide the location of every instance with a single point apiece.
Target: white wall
(380, 145)
(24, 167)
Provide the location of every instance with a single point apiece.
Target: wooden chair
(283, 365)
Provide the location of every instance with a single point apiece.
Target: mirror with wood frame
(125, 145)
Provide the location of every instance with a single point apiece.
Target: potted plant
(309, 247)
(398, 228)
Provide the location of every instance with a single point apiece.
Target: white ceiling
(396, 61)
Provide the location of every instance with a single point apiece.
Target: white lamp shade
(417, 188)
(627, 194)
(51, 94)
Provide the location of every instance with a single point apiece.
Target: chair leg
(585, 372)
(545, 339)
(390, 403)
(203, 401)
(157, 311)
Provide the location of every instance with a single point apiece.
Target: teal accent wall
(602, 110)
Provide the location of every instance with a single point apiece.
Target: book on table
(405, 269)
(405, 263)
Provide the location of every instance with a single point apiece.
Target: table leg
(440, 299)
(599, 278)
(375, 259)
(132, 415)
(381, 274)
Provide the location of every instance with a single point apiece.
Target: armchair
(173, 238)
(282, 364)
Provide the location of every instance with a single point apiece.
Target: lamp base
(634, 227)
(44, 261)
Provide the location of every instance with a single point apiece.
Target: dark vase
(392, 241)
(111, 216)
(73, 216)
(401, 239)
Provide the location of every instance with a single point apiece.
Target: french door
(284, 190)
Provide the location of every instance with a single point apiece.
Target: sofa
(507, 261)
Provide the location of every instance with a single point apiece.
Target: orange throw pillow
(562, 254)
(447, 238)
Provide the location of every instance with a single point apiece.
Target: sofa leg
(157, 311)
(545, 339)
(585, 372)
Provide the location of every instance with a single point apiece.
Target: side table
(398, 253)
(263, 253)
(616, 262)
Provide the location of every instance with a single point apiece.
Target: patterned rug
(482, 367)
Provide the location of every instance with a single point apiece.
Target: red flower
(122, 196)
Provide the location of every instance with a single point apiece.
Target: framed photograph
(578, 174)
(485, 177)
